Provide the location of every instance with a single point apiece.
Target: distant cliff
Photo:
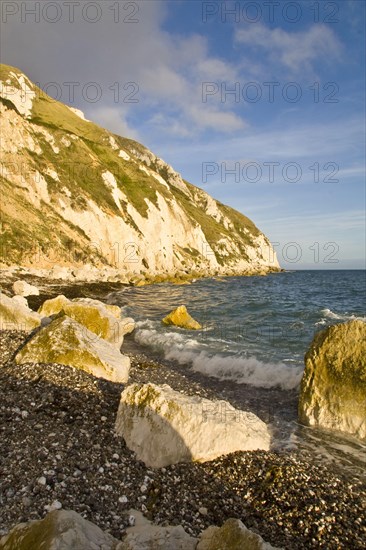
(74, 194)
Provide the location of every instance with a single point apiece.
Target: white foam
(329, 314)
(243, 370)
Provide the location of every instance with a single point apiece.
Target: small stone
(143, 488)
(203, 511)
(123, 499)
(56, 505)
(131, 520)
(26, 501)
(103, 418)
(42, 480)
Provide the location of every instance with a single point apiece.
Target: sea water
(255, 333)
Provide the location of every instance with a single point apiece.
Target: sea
(255, 332)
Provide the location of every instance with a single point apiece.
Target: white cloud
(114, 119)
(211, 118)
(297, 51)
(168, 68)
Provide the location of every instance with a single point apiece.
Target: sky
(260, 103)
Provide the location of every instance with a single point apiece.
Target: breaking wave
(239, 368)
(329, 314)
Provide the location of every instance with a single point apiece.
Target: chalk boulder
(144, 535)
(102, 319)
(233, 535)
(333, 387)
(21, 288)
(16, 315)
(61, 530)
(165, 427)
(181, 318)
(67, 342)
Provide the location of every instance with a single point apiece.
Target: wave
(329, 314)
(243, 370)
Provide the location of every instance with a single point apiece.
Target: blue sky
(286, 147)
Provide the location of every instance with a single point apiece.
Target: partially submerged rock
(233, 535)
(165, 427)
(181, 318)
(67, 342)
(102, 319)
(59, 530)
(333, 387)
(144, 535)
(22, 288)
(16, 315)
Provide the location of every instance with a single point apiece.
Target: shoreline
(50, 433)
(275, 406)
(69, 276)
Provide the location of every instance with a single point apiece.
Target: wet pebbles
(58, 448)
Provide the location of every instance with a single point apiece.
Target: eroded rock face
(144, 535)
(69, 343)
(233, 535)
(59, 530)
(166, 427)
(16, 315)
(162, 213)
(21, 288)
(181, 318)
(102, 319)
(333, 387)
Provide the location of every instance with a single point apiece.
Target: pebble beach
(60, 450)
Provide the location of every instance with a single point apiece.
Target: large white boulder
(164, 426)
(102, 319)
(69, 343)
(22, 288)
(59, 530)
(16, 315)
(333, 387)
(144, 535)
(233, 535)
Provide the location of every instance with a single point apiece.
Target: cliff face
(74, 193)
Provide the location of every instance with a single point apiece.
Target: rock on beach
(333, 387)
(165, 427)
(233, 535)
(61, 530)
(69, 343)
(22, 288)
(16, 315)
(102, 319)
